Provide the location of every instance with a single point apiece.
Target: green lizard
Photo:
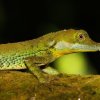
(33, 54)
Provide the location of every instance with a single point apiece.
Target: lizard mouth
(63, 47)
(86, 48)
(67, 48)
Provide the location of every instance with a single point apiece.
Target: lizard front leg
(34, 63)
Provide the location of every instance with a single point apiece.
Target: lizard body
(12, 54)
(34, 53)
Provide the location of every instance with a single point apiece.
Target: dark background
(24, 20)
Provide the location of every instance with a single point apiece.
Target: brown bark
(15, 85)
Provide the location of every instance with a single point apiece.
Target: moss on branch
(15, 85)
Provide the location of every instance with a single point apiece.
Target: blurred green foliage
(76, 63)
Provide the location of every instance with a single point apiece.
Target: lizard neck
(58, 53)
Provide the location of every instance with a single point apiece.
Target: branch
(15, 85)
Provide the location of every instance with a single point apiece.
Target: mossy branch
(15, 85)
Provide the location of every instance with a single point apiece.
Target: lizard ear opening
(52, 43)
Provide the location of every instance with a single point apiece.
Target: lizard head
(69, 41)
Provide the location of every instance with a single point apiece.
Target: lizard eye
(81, 37)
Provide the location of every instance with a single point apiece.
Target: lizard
(35, 53)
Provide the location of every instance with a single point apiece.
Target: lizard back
(12, 54)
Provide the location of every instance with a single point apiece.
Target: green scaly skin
(38, 52)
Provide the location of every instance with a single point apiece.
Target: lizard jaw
(85, 48)
(76, 47)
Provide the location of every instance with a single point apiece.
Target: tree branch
(15, 85)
